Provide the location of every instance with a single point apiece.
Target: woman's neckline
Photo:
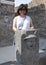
(22, 17)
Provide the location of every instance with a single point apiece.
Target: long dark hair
(25, 6)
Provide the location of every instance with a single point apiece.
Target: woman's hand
(32, 27)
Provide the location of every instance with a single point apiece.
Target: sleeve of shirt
(15, 18)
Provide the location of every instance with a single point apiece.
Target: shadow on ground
(9, 63)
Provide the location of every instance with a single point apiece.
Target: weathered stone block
(27, 46)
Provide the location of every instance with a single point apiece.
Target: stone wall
(38, 15)
(6, 20)
(36, 3)
(37, 11)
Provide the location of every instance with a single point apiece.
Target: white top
(23, 22)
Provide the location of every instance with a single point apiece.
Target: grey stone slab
(27, 47)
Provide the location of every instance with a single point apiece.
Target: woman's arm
(14, 25)
(31, 24)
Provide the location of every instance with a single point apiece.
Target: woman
(22, 21)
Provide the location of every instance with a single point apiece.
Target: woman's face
(22, 12)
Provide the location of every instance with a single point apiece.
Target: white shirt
(23, 22)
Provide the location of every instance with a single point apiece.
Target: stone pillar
(27, 47)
